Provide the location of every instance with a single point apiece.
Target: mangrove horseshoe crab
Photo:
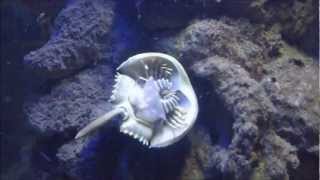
(154, 95)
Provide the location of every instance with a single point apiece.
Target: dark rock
(97, 156)
(58, 115)
(238, 40)
(200, 160)
(24, 167)
(110, 154)
(72, 103)
(71, 160)
(250, 107)
(80, 37)
(270, 126)
(295, 94)
(294, 18)
(279, 157)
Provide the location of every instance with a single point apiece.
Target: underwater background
(254, 65)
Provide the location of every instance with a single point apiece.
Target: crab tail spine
(94, 125)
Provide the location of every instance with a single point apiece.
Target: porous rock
(80, 37)
(72, 103)
(110, 154)
(293, 87)
(251, 110)
(238, 40)
(242, 66)
(294, 18)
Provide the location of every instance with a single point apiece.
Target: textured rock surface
(80, 37)
(266, 110)
(73, 102)
(275, 154)
(293, 18)
(112, 155)
(293, 87)
(239, 41)
(252, 112)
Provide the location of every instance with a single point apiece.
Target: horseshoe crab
(154, 95)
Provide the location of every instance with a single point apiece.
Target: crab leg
(94, 125)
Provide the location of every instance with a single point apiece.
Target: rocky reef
(254, 66)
